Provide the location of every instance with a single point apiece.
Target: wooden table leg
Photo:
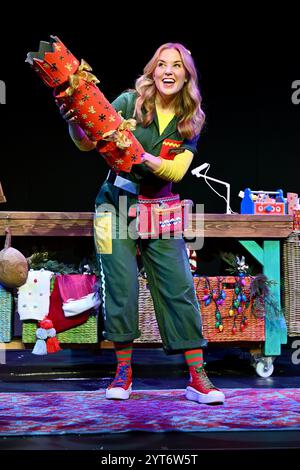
(275, 326)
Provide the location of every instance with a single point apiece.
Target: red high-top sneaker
(120, 388)
(201, 389)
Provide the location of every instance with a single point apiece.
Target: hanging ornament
(214, 294)
(13, 265)
(218, 315)
(193, 259)
(218, 301)
(47, 341)
(240, 301)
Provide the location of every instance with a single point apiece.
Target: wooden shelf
(14, 344)
(80, 224)
(269, 228)
(18, 344)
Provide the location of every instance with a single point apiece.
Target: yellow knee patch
(103, 232)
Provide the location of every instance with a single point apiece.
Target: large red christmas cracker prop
(75, 85)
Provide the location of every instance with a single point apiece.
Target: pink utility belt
(164, 215)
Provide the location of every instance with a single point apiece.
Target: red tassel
(46, 323)
(53, 345)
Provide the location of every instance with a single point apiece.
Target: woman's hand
(152, 162)
(69, 115)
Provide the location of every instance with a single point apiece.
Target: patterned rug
(147, 410)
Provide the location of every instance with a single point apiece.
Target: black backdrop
(251, 137)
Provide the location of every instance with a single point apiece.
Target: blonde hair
(187, 102)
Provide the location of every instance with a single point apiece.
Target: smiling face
(169, 74)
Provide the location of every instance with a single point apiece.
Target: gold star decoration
(68, 66)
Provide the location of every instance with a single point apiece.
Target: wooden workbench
(247, 229)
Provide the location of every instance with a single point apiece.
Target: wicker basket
(85, 333)
(81, 334)
(291, 268)
(296, 219)
(254, 331)
(6, 315)
(147, 319)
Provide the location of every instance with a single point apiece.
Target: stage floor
(88, 370)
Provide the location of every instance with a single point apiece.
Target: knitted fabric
(34, 295)
(77, 293)
(194, 357)
(56, 313)
(123, 351)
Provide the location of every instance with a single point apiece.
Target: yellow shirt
(163, 120)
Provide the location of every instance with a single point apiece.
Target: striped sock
(123, 352)
(194, 357)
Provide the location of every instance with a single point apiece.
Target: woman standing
(166, 104)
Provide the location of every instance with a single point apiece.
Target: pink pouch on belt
(165, 215)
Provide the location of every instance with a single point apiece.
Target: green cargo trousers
(170, 280)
